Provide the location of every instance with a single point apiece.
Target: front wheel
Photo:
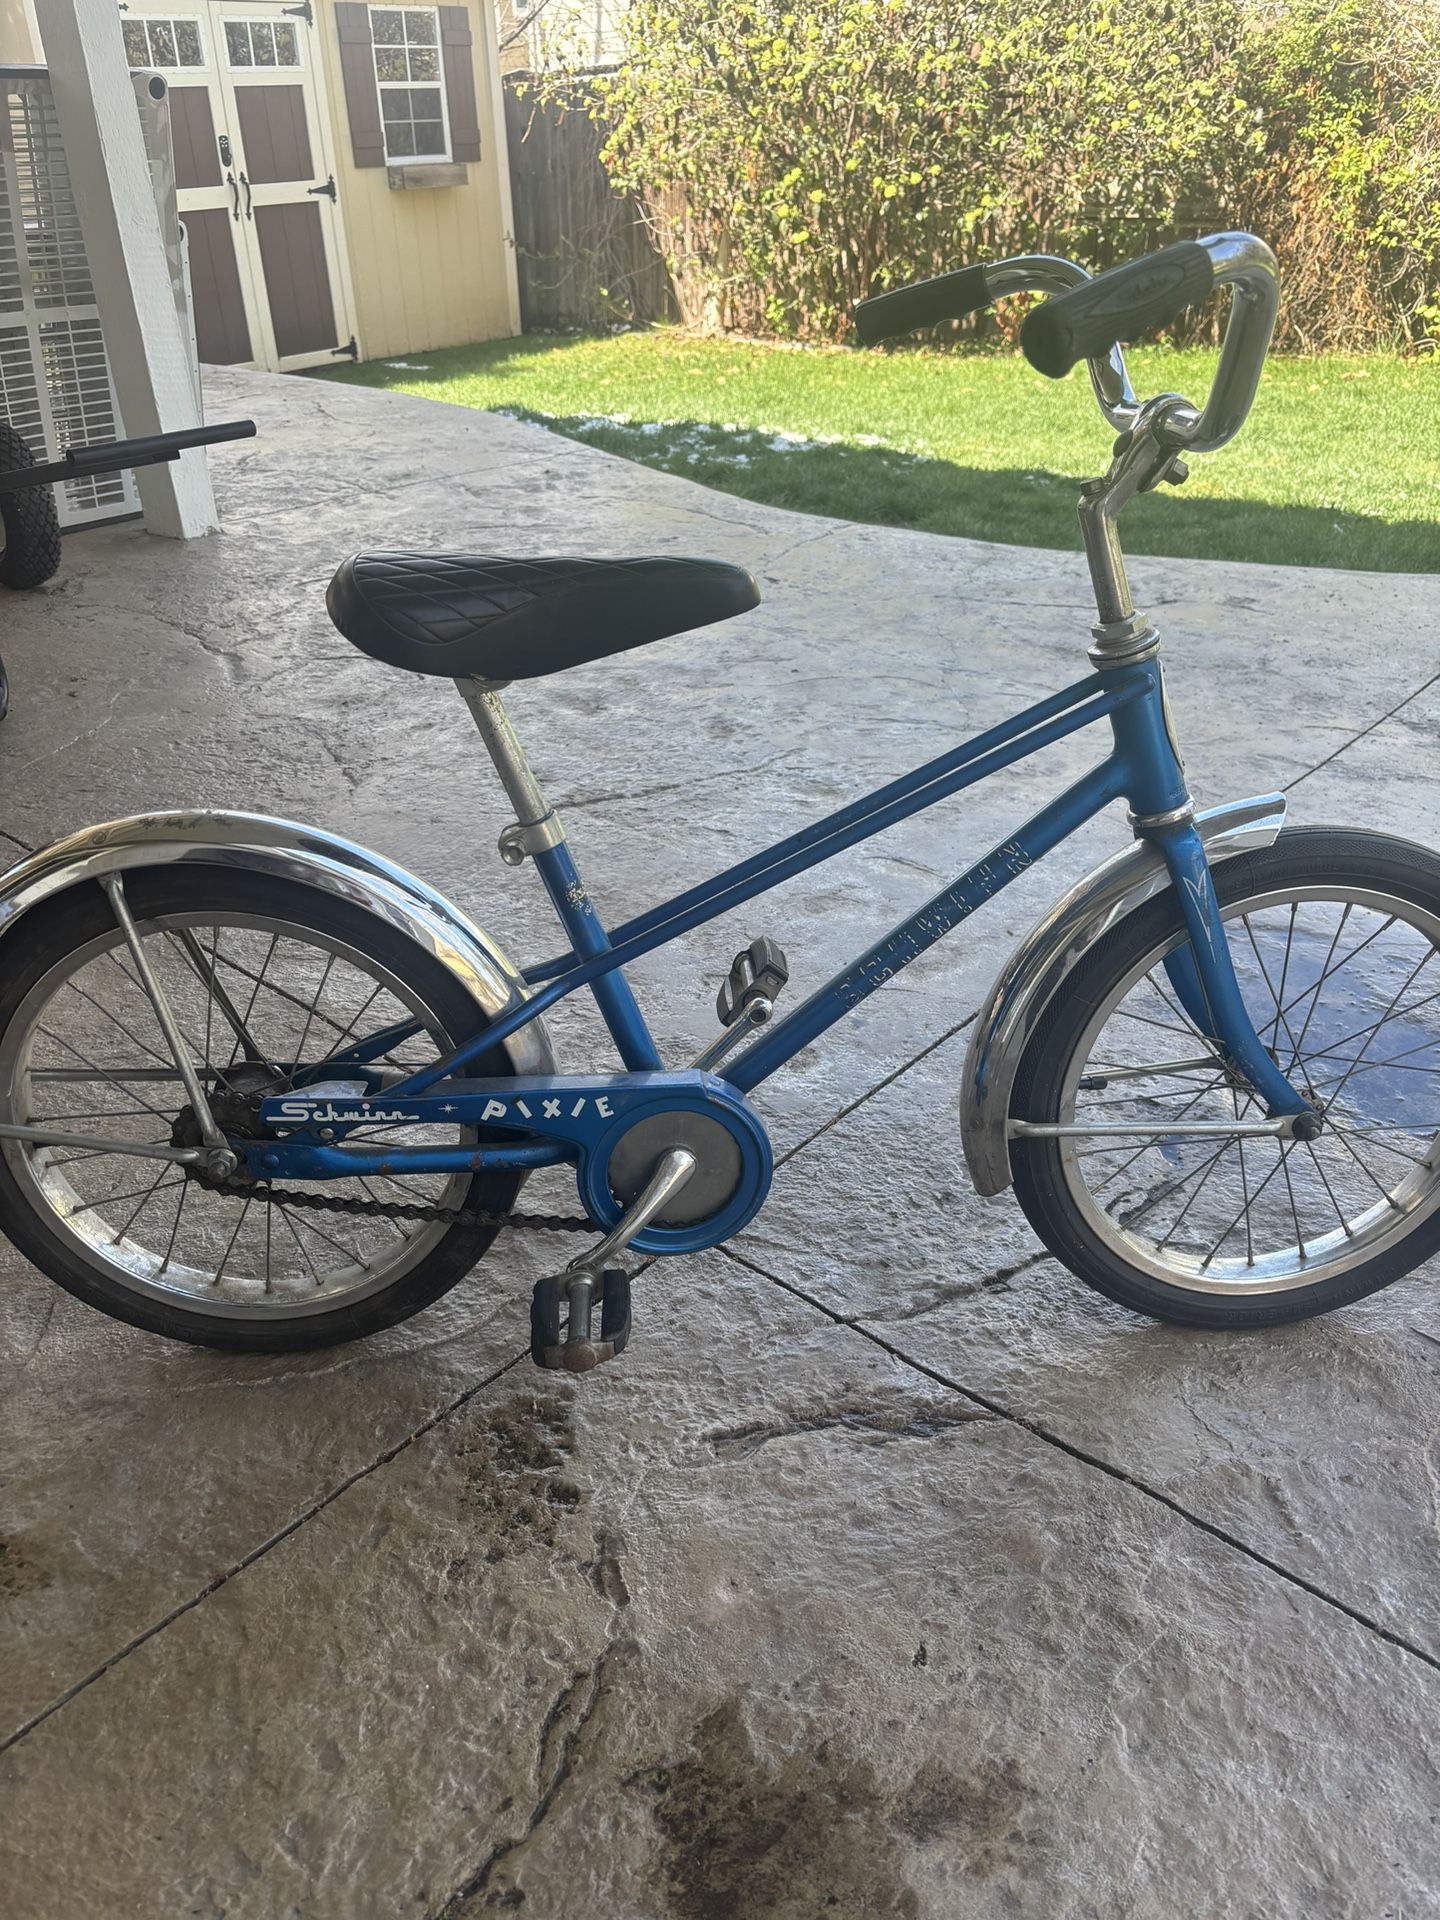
(1335, 935)
(267, 979)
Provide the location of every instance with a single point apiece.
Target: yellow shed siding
(433, 267)
(19, 42)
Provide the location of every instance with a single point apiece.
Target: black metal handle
(245, 182)
(235, 191)
(112, 456)
(1136, 298)
(951, 296)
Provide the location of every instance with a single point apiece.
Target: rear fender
(258, 843)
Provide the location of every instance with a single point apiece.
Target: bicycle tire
(30, 521)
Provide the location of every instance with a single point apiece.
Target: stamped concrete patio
(891, 1573)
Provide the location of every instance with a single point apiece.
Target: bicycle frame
(1143, 768)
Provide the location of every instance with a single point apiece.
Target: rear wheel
(1335, 937)
(266, 977)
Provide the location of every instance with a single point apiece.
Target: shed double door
(254, 178)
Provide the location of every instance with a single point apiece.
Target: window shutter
(357, 68)
(459, 56)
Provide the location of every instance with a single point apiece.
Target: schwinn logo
(309, 1110)
(566, 1107)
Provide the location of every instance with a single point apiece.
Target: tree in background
(795, 157)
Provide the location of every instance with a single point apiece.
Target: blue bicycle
(262, 1089)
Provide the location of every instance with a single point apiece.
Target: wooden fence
(584, 255)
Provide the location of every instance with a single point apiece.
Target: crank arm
(578, 1352)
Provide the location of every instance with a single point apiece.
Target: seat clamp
(534, 836)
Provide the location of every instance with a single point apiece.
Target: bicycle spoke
(1264, 975)
(216, 996)
(339, 1245)
(1245, 1210)
(1383, 1191)
(149, 1192)
(259, 980)
(235, 1235)
(1280, 993)
(116, 1021)
(1294, 1211)
(1354, 954)
(1415, 1159)
(1335, 1095)
(127, 1092)
(179, 1209)
(304, 1252)
(370, 1191)
(1324, 973)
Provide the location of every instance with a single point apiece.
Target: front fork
(1203, 976)
(1202, 972)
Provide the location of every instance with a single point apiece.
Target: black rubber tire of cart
(31, 551)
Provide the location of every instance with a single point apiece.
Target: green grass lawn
(1338, 465)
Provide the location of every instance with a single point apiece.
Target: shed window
(261, 43)
(163, 43)
(406, 43)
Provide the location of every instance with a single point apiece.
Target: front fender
(1033, 974)
(260, 844)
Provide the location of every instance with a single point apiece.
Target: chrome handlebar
(1048, 273)
(1238, 260)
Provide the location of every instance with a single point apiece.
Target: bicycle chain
(398, 1209)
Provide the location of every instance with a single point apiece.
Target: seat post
(537, 820)
(537, 831)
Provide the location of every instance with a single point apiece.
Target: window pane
(187, 43)
(420, 28)
(425, 103)
(390, 63)
(263, 41)
(386, 28)
(424, 63)
(394, 105)
(237, 43)
(429, 136)
(162, 44)
(136, 50)
(400, 141)
(287, 46)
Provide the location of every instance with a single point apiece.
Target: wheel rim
(85, 1053)
(1344, 988)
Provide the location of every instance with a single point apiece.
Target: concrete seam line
(879, 1087)
(1346, 745)
(258, 1553)
(1106, 1467)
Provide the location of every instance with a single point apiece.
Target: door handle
(235, 195)
(245, 182)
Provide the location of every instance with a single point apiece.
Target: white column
(149, 354)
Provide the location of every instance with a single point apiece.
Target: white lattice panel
(55, 386)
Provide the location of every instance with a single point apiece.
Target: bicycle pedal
(759, 972)
(577, 1351)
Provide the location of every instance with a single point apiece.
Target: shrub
(794, 155)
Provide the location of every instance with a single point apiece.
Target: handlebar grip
(951, 296)
(1086, 322)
